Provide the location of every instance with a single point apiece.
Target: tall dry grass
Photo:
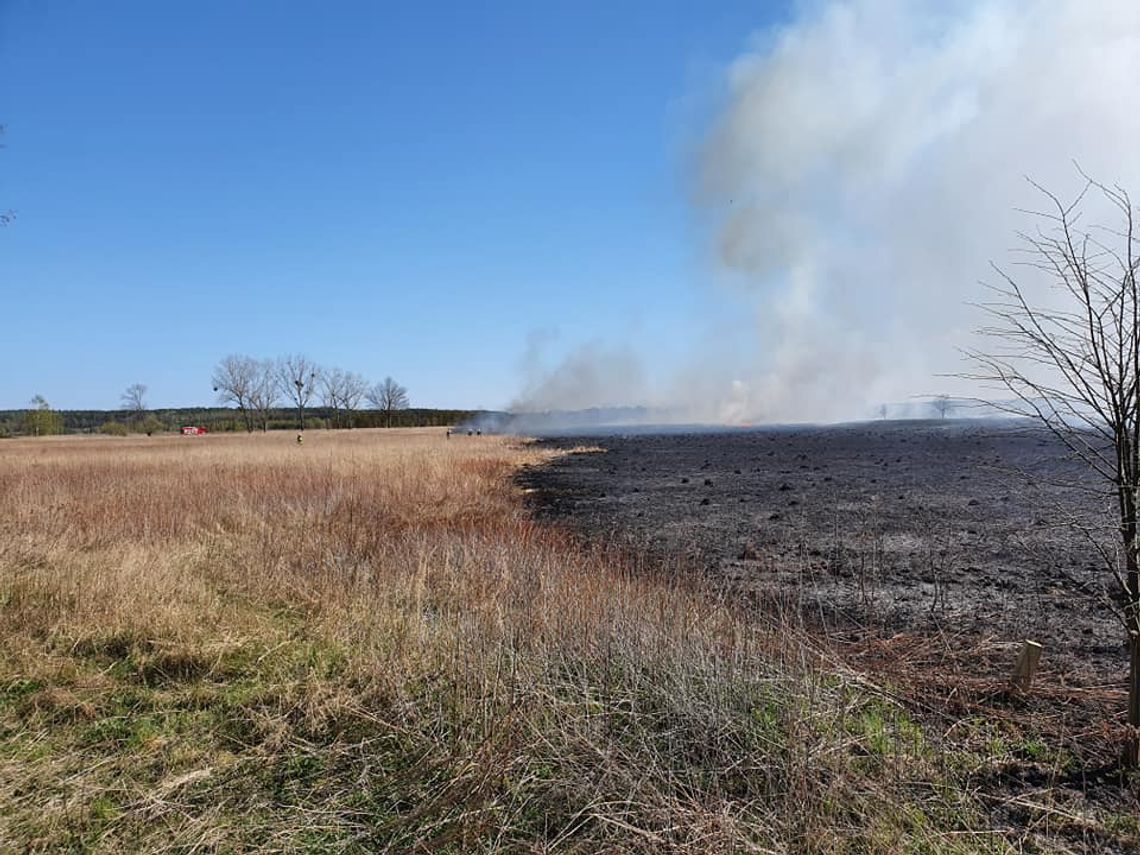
(366, 644)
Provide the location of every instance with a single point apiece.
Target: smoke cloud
(866, 167)
(594, 375)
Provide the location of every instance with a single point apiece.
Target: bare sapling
(1065, 344)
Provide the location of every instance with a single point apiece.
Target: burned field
(956, 530)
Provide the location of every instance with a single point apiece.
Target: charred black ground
(950, 527)
(921, 553)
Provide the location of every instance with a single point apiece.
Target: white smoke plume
(867, 166)
(594, 375)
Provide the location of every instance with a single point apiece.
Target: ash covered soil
(960, 528)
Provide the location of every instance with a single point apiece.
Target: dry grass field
(364, 643)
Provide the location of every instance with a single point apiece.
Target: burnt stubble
(957, 528)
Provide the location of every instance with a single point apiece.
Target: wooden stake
(1022, 677)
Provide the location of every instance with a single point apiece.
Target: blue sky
(407, 189)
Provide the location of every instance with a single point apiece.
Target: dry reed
(365, 644)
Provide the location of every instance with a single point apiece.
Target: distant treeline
(220, 419)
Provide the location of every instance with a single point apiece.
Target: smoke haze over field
(593, 375)
(864, 169)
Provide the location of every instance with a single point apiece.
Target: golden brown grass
(365, 644)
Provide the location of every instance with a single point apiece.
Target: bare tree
(942, 405)
(235, 382)
(332, 391)
(264, 392)
(388, 396)
(297, 378)
(352, 390)
(341, 391)
(1071, 360)
(134, 400)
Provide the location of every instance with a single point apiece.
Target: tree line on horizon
(255, 387)
(267, 394)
